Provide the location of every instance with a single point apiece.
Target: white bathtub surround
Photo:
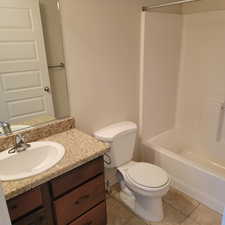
(160, 72)
(183, 90)
(191, 173)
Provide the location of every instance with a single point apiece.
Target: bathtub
(195, 175)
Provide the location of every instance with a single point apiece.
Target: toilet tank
(121, 137)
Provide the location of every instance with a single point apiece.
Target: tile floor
(179, 209)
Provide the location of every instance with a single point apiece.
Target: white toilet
(142, 184)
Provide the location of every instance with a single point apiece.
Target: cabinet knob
(47, 89)
(83, 198)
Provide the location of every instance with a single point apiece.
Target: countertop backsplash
(38, 132)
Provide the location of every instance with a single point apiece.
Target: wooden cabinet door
(25, 203)
(96, 216)
(36, 218)
(76, 177)
(79, 201)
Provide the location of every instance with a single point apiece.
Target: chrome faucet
(20, 145)
(6, 127)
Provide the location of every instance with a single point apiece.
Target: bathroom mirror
(33, 85)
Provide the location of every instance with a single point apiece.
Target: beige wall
(203, 6)
(102, 57)
(189, 8)
(169, 9)
(52, 28)
(101, 40)
(153, 2)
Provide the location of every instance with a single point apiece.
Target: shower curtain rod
(146, 8)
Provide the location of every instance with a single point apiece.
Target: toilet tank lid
(110, 132)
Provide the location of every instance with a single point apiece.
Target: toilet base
(149, 209)
(144, 202)
(128, 200)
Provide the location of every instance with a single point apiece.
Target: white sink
(38, 158)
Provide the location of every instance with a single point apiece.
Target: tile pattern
(117, 213)
(179, 209)
(183, 203)
(205, 216)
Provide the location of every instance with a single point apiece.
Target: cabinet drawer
(24, 203)
(96, 216)
(36, 218)
(72, 205)
(76, 177)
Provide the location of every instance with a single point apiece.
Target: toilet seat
(147, 176)
(142, 187)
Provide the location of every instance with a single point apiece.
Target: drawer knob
(83, 198)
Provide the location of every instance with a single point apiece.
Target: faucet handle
(20, 144)
(6, 127)
(20, 138)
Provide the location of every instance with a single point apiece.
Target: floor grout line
(189, 216)
(171, 205)
(115, 199)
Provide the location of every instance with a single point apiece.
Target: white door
(23, 65)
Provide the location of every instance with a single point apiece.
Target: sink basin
(40, 157)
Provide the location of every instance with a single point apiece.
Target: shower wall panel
(202, 81)
(160, 71)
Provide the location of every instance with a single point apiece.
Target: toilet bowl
(142, 184)
(142, 187)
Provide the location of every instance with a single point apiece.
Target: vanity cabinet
(79, 201)
(75, 198)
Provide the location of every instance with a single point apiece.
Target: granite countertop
(79, 149)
